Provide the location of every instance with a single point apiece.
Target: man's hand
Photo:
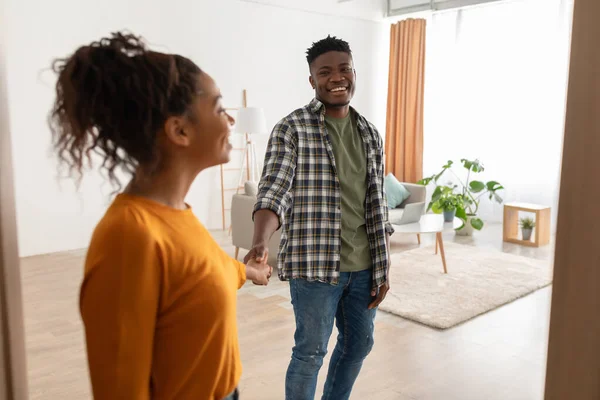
(259, 252)
(257, 269)
(258, 273)
(379, 294)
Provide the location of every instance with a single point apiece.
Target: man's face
(333, 77)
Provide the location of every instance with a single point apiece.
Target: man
(323, 183)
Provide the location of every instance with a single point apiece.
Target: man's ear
(312, 82)
(175, 131)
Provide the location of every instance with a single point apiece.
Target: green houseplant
(527, 225)
(447, 203)
(470, 192)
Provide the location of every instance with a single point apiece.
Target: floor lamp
(250, 121)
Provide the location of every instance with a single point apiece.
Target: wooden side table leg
(419, 237)
(237, 252)
(436, 243)
(542, 227)
(440, 242)
(510, 223)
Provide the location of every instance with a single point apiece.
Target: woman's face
(211, 123)
(202, 135)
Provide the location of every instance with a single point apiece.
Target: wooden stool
(511, 223)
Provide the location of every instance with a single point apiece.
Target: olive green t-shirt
(351, 164)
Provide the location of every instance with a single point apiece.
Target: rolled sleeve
(389, 229)
(274, 189)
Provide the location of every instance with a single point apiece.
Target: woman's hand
(258, 273)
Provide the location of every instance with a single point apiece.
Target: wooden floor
(500, 355)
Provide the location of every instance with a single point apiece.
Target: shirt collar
(318, 108)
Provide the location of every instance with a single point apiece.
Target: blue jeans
(316, 305)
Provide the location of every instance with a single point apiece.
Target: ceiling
(375, 10)
(362, 9)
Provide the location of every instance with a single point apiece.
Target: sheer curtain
(495, 89)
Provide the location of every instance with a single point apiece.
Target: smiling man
(323, 184)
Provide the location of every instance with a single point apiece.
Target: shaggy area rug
(478, 280)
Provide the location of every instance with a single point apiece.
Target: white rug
(478, 281)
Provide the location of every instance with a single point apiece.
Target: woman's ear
(175, 131)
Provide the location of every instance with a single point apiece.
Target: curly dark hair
(112, 97)
(330, 43)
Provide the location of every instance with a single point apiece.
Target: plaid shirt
(300, 184)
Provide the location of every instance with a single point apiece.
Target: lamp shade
(251, 120)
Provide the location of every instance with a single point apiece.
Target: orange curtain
(404, 129)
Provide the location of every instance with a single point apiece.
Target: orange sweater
(158, 302)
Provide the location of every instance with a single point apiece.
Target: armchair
(242, 227)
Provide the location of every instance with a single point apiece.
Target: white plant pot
(467, 229)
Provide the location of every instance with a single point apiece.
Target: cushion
(251, 188)
(395, 191)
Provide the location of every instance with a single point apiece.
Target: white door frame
(13, 366)
(573, 367)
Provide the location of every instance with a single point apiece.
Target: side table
(541, 234)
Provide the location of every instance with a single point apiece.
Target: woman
(158, 299)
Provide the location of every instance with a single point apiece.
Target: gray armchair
(242, 227)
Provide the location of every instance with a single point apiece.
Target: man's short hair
(330, 43)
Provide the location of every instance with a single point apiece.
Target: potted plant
(470, 191)
(447, 203)
(527, 225)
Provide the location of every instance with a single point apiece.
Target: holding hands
(257, 269)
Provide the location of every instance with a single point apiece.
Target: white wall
(361, 9)
(241, 44)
